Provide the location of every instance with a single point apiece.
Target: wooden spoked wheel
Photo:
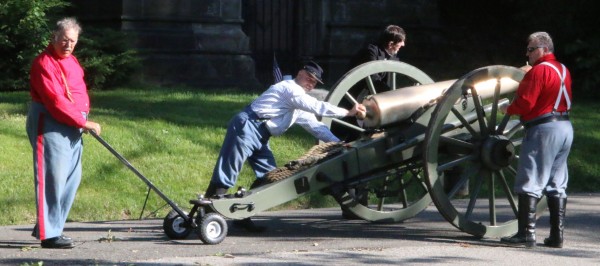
(388, 195)
(471, 152)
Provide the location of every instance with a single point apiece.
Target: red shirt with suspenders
(539, 90)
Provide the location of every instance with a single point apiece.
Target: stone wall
(194, 43)
(354, 23)
(202, 44)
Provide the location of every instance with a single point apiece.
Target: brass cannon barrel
(397, 105)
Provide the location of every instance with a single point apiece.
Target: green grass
(173, 137)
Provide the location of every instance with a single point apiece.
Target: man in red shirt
(542, 101)
(56, 119)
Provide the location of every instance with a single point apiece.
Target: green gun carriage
(421, 142)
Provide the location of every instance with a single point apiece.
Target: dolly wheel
(212, 228)
(175, 226)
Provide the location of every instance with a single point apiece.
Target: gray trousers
(247, 139)
(543, 160)
(57, 150)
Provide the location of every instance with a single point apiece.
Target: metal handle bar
(140, 175)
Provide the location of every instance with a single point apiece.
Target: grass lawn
(173, 137)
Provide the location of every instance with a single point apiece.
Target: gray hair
(542, 39)
(66, 24)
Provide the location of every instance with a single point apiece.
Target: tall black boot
(519, 237)
(557, 208)
(530, 224)
(526, 218)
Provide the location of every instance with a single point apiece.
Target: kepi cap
(314, 70)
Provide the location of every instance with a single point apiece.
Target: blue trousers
(543, 160)
(57, 150)
(247, 139)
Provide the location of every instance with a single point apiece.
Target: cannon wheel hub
(497, 152)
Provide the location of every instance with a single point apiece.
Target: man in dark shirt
(390, 41)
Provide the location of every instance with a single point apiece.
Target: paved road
(310, 237)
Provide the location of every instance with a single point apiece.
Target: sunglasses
(531, 49)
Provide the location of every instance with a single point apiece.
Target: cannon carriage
(421, 142)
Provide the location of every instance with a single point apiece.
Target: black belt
(259, 122)
(544, 120)
(253, 115)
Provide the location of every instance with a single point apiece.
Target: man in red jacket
(57, 117)
(543, 101)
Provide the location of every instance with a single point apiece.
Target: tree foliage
(496, 31)
(107, 57)
(25, 30)
(24, 33)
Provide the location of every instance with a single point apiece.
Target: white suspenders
(563, 89)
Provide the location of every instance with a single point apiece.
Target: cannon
(421, 142)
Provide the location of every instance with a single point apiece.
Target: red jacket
(538, 90)
(48, 88)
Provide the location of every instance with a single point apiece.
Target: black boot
(557, 208)
(530, 224)
(519, 237)
(526, 222)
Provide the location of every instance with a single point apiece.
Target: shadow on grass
(203, 109)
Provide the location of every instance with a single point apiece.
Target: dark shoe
(557, 207)
(57, 242)
(249, 225)
(214, 192)
(34, 233)
(553, 243)
(518, 238)
(259, 183)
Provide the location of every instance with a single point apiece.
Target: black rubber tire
(175, 227)
(212, 228)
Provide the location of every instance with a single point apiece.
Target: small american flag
(276, 71)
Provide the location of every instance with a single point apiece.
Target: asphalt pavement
(310, 237)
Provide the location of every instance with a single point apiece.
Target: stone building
(232, 43)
